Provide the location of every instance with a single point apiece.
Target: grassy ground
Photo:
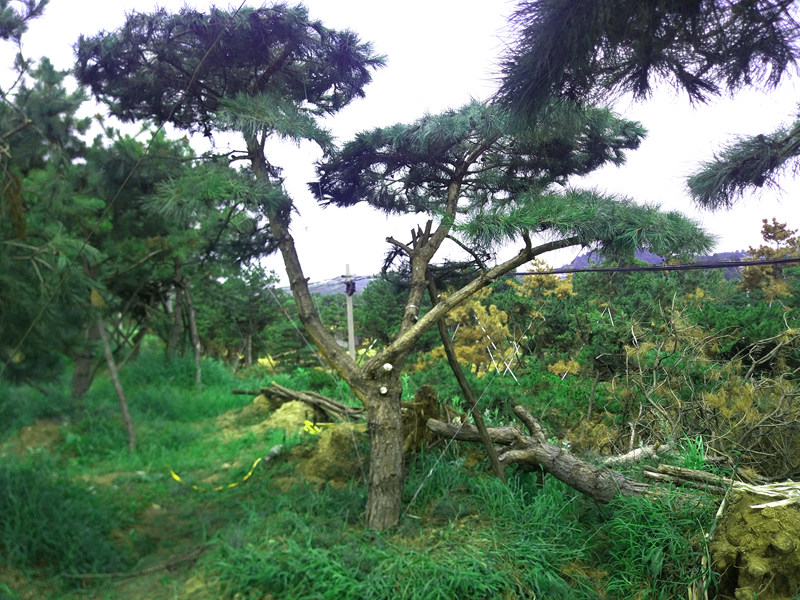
(80, 517)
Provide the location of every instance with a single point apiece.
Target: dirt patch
(20, 585)
(756, 551)
(44, 434)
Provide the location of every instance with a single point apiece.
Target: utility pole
(349, 290)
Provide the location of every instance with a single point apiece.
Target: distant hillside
(590, 259)
(584, 261)
(336, 286)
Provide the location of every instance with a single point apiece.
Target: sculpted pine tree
(483, 181)
(596, 49)
(270, 72)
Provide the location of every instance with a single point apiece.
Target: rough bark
(386, 477)
(598, 483)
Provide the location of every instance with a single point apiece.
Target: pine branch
(753, 162)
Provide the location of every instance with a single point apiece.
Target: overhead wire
(679, 267)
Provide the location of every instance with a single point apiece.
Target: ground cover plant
(464, 533)
(133, 304)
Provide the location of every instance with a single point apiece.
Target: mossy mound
(338, 457)
(756, 551)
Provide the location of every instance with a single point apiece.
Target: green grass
(313, 546)
(51, 523)
(463, 534)
(651, 547)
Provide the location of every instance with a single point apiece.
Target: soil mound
(44, 433)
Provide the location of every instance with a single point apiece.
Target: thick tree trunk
(386, 476)
(601, 484)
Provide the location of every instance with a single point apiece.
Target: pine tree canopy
(497, 182)
(587, 49)
(183, 68)
(409, 168)
(13, 23)
(591, 50)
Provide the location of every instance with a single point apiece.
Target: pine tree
(593, 50)
(270, 72)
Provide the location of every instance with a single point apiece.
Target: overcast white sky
(440, 54)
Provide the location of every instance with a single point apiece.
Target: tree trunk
(174, 342)
(194, 335)
(601, 484)
(82, 362)
(112, 370)
(386, 476)
(248, 349)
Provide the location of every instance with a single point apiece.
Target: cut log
(600, 484)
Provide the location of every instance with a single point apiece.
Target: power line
(684, 267)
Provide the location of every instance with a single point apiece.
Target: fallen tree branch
(690, 477)
(707, 487)
(637, 454)
(599, 483)
(333, 409)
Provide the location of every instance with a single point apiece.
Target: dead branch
(333, 409)
(638, 454)
(689, 477)
(599, 483)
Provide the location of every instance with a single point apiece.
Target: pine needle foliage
(251, 114)
(588, 49)
(750, 162)
(409, 168)
(616, 225)
(13, 22)
(156, 66)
